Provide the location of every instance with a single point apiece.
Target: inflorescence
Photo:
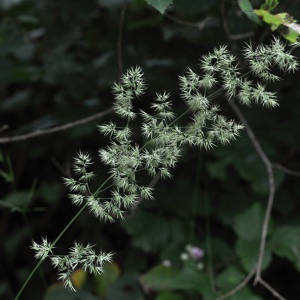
(164, 138)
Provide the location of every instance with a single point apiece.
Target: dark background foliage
(58, 61)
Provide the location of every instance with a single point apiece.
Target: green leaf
(169, 296)
(247, 9)
(192, 279)
(229, 278)
(252, 169)
(248, 224)
(161, 278)
(244, 293)
(60, 293)
(285, 242)
(125, 288)
(160, 5)
(248, 252)
(110, 273)
(78, 278)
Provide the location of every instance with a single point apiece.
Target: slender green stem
(28, 278)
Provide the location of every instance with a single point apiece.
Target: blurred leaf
(169, 296)
(252, 169)
(244, 294)
(110, 273)
(161, 278)
(247, 9)
(79, 278)
(190, 278)
(248, 224)
(248, 253)
(125, 287)
(60, 293)
(160, 5)
(229, 278)
(285, 242)
(109, 3)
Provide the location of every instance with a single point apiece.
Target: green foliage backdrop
(58, 62)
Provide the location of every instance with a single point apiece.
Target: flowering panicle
(163, 138)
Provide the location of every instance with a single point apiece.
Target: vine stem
(271, 196)
(30, 135)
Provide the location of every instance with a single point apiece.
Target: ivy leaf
(248, 224)
(229, 278)
(160, 5)
(161, 278)
(79, 277)
(247, 9)
(111, 273)
(248, 252)
(60, 293)
(285, 242)
(169, 296)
